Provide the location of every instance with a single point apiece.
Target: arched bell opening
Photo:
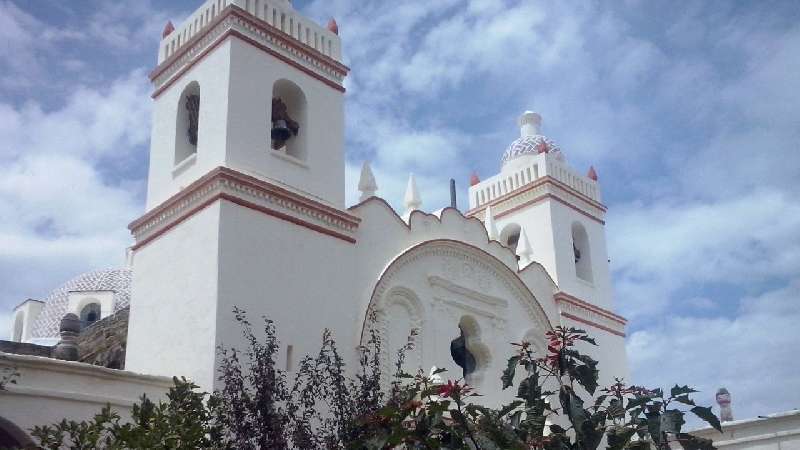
(187, 130)
(90, 314)
(289, 120)
(581, 252)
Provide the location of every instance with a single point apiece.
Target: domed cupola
(531, 141)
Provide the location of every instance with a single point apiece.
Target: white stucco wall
(172, 324)
(25, 314)
(213, 76)
(780, 431)
(253, 74)
(298, 277)
(48, 390)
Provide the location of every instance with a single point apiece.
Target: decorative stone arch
(471, 256)
(294, 101)
(19, 326)
(582, 252)
(187, 123)
(408, 301)
(12, 436)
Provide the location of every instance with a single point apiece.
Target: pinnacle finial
(524, 250)
(168, 29)
(366, 183)
(474, 179)
(592, 174)
(412, 199)
(333, 26)
(488, 222)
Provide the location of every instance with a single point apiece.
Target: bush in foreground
(324, 407)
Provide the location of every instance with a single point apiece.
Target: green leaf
(680, 390)
(654, 426)
(685, 400)
(509, 407)
(637, 402)
(587, 377)
(706, 414)
(510, 371)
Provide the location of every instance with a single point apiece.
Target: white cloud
(65, 199)
(750, 352)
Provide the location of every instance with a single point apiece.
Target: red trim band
(563, 296)
(596, 325)
(262, 25)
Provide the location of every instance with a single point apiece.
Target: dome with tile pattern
(56, 303)
(531, 141)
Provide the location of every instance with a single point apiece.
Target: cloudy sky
(690, 112)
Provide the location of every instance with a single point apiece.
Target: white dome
(55, 305)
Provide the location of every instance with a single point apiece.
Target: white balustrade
(273, 12)
(508, 181)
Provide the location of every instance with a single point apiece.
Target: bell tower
(253, 86)
(548, 213)
(245, 186)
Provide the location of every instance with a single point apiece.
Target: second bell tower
(245, 189)
(253, 86)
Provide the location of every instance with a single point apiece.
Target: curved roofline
(394, 260)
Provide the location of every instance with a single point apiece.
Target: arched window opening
(581, 252)
(468, 352)
(90, 314)
(288, 119)
(510, 236)
(188, 122)
(19, 323)
(12, 436)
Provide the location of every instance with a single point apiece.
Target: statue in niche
(461, 354)
(576, 252)
(283, 126)
(193, 107)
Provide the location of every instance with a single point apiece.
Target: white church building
(246, 208)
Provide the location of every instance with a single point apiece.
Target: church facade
(246, 209)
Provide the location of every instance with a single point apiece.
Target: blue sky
(689, 111)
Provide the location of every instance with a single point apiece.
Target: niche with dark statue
(461, 354)
(283, 126)
(193, 108)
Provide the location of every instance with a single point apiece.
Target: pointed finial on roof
(488, 222)
(412, 200)
(168, 28)
(592, 173)
(333, 26)
(524, 250)
(474, 179)
(366, 184)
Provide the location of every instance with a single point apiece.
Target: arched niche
(582, 252)
(289, 110)
(12, 436)
(187, 123)
(90, 313)
(451, 280)
(399, 321)
(509, 236)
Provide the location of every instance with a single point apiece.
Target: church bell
(280, 132)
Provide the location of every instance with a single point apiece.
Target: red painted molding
(260, 24)
(224, 173)
(553, 197)
(593, 324)
(547, 179)
(564, 297)
(286, 217)
(278, 34)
